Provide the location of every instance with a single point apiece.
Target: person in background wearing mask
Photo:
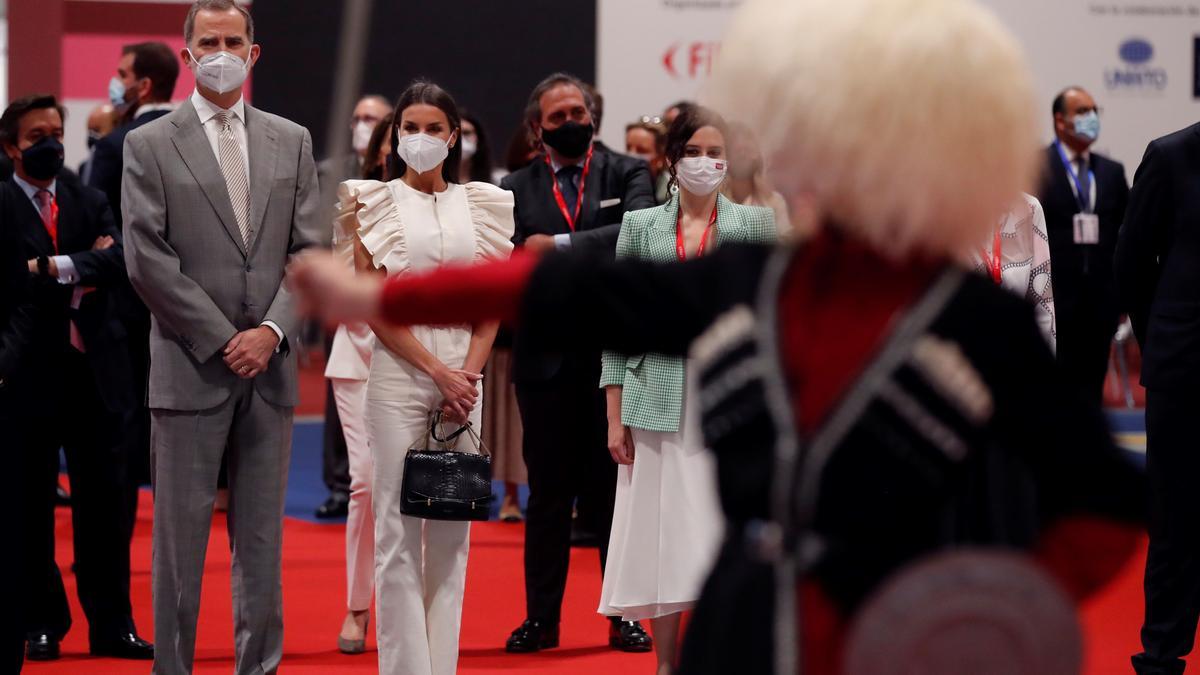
(78, 392)
(100, 122)
(477, 162)
(335, 457)
(139, 93)
(646, 139)
(1084, 195)
(667, 522)
(217, 197)
(748, 184)
(572, 196)
(419, 221)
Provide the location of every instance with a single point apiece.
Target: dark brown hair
(372, 168)
(423, 91)
(533, 107)
(689, 121)
(156, 62)
(10, 121)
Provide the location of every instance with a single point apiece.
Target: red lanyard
(680, 251)
(558, 195)
(993, 264)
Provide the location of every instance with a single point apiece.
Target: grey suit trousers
(186, 452)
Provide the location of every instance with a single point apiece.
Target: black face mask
(93, 138)
(44, 159)
(571, 140)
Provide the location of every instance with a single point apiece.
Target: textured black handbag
(446, 484)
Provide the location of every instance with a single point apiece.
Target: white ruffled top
(406, 230)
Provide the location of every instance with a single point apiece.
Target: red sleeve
(488, 291)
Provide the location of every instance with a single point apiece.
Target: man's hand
(539, 243)
(249, 352)
(52, 268)
(329, 289)
(102, 242)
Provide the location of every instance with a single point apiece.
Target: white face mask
(422, 152)
(362, 136)
(469, 146)
(700, 175)
(221, 72)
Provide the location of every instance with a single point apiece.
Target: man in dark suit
(76, 385)
(17, 317)
(573, 197)
(1158, 277)
(145, 80)
(1084, 195)
(331, 171)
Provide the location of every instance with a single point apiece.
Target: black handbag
(444, 483)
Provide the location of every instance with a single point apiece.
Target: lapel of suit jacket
(661, 235)
(264, 149)
(729, 225)
(195, 150)
(32, 229)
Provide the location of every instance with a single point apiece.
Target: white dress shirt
(207, 111)
(153, 107)
(66, 267)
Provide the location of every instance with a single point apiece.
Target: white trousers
(351, 399)
(420, 565)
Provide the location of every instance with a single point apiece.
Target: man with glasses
(1084, 195)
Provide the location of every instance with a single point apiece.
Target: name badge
(1087, 228)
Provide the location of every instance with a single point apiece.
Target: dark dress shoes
(337, 506)
(532, 636)
(41, 647)
(123, 646)
(628, 636)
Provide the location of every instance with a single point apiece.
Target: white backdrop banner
(1139, 59)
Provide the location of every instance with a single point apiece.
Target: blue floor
(306, 489)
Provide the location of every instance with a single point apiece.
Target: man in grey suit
(216, 197)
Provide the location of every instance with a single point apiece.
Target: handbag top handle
(435, 423)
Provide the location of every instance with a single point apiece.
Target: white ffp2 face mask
(469, 146)
(221, 72)
(700, 175)
(422, 152)
(362, 136)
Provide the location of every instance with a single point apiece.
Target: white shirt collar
(154, 107)
(31, 190)
(207, 110)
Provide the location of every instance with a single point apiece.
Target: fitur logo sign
(1137, 74)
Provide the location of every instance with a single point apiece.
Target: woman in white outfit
(417, 222)
(347, 370)
(666, 520)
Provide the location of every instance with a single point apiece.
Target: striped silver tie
(236, 181)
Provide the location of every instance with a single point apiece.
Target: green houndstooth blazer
(652, 396)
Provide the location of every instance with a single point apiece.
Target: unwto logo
(1137, 74)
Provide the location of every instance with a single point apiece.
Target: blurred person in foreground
(880, 416)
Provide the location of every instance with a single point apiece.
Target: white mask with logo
(221, 72)
(700, 175)
(361, 137)
(422, 152)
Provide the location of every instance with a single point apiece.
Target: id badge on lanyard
(1085, 224)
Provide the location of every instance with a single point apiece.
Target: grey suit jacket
(186, 257)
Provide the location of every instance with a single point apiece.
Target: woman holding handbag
(666, 521)
(419, 221)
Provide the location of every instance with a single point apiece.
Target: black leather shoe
(124, 646)
(41, 647)
(337, 506)
(628, 636)
(532, 636)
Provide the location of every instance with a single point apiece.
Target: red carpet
(314, 589)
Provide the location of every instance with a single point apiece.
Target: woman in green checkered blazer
(667, 523)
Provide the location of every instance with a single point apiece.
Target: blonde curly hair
(911, 123)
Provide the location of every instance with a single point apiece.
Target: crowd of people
(759, 357)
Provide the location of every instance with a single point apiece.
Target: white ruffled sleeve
(492, 213)
(366, 208)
